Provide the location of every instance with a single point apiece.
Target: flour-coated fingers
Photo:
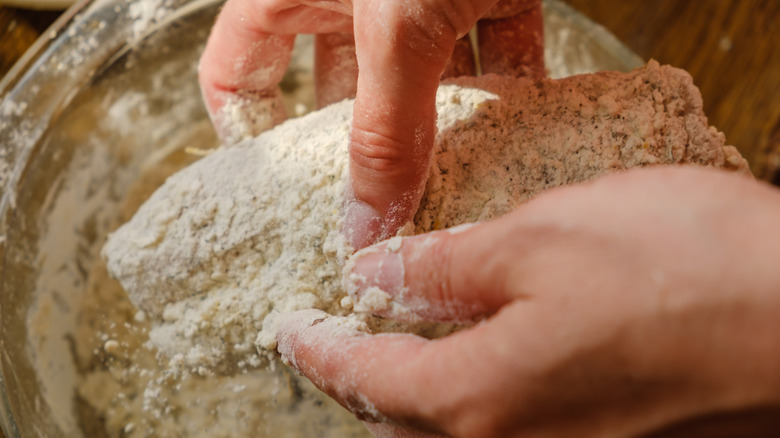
(247, 55)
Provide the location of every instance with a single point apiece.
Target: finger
(450, 275)
(246, 56)
(511, 39)
(317, 345)
(461, 63)
(335, 68)
(400, 379)
(402, 49)
(239, 70)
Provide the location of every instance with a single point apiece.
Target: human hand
(402, 48)
(614, 308)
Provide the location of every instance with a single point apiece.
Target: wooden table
(731, 47)
(19, 28)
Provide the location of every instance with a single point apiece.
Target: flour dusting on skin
(255, 229)
(243, 116)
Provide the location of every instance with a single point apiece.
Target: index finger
(402, 49)
(404, 379)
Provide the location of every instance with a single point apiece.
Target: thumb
(453, 275)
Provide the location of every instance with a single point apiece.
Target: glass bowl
(108, 98)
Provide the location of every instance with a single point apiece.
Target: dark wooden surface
(731, 47)
(19, 28)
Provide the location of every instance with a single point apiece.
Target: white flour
(254, 229)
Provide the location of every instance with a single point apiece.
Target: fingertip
(239, 70)
(446, 276)
(363, 224)
(398, 378)
(304, 336)
(388, 169)
(341, 357)
(374, 279)
(246, 114)
(289, 328)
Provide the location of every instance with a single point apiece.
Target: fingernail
(374, 279)
(362, 224)
(288, 329)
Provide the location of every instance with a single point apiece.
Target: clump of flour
(255, 229)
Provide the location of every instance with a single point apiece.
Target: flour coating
(254, 229)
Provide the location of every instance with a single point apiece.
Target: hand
(614, 308)
(402, 47)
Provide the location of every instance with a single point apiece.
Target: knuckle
(430, 29)
(441, 257)
(377, 153)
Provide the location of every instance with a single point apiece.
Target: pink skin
(614, 308)
(402, 48)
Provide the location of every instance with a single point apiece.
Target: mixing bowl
(106, 99)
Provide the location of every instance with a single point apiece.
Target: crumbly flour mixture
(125, 390)
(254, 229)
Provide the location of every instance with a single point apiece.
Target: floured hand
(403, 48)
(614, 308)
